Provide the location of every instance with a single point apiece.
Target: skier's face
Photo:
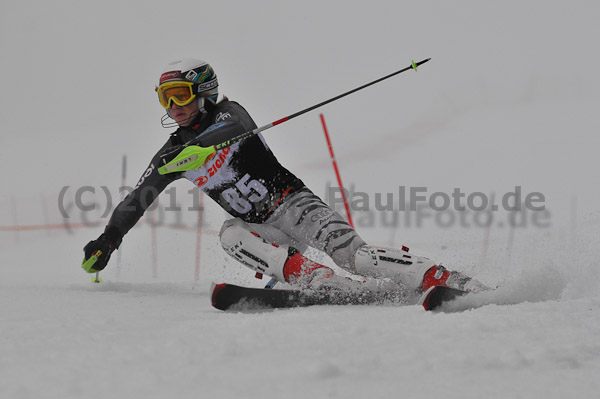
(184, 115)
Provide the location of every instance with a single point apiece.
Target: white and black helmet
(204, 83)
(196, 71)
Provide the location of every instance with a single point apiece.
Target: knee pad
(248, 248)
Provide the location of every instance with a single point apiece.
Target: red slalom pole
(335, 168)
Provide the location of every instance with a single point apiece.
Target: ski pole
(192, 157)
(88, 265)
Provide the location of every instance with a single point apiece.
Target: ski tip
(424, 299)
(438, 295)
(215, 289)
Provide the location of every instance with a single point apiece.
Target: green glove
(97, 252)
(88, 264)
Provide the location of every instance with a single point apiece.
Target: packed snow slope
(63, 337)
(509, 102)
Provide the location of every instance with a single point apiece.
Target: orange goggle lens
(180, 93)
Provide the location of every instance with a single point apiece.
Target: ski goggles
(180, 93)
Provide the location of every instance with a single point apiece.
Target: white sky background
(79, 79)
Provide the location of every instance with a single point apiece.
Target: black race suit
(245, 179)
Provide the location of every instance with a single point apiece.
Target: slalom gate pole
(154, 243)
(486, 233)
(336, 170)
(13, 207)
(45, 212)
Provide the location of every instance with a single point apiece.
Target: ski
(234, 297)
(437, 295)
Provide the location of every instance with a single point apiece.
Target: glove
(97, 252)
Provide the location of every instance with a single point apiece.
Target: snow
(134, 336)
(509, 99)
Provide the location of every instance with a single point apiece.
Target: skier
(275, 216)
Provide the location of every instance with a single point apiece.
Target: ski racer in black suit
(275, 217)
